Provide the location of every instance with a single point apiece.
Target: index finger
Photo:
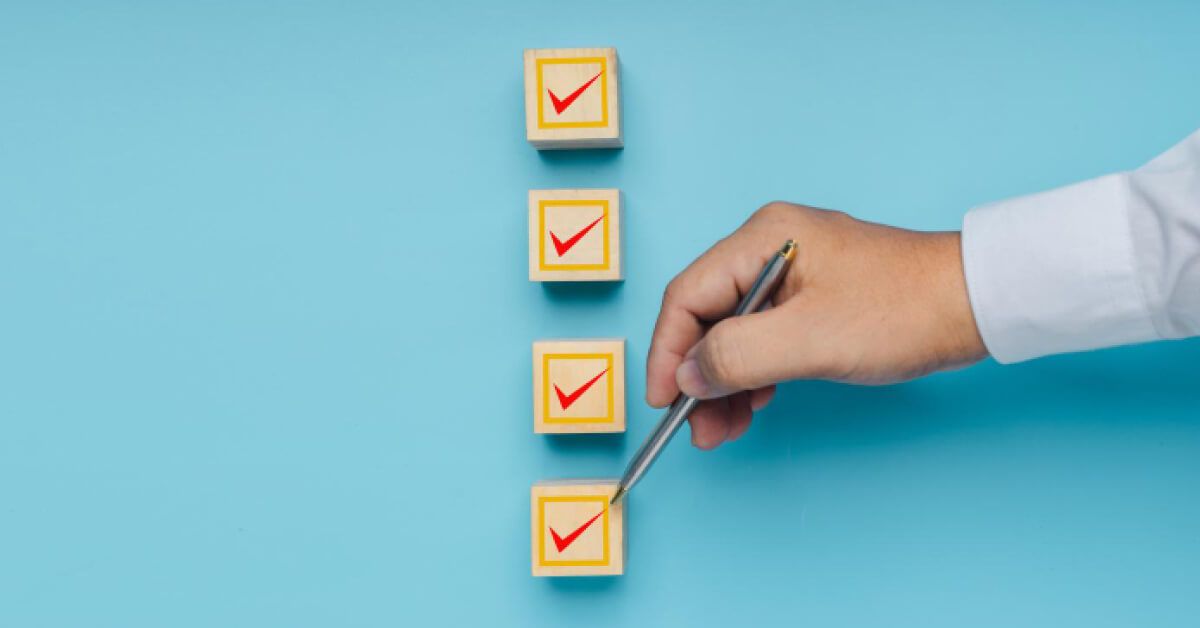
(706, 291)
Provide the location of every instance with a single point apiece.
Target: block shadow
(585, 585)
(569, 292)
(579, 444)
(583, 160)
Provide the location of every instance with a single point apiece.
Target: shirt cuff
(1054, 272)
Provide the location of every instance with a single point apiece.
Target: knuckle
(671, 292)
(804, 214)
(837, 216)
(831, 217)
(774, 209)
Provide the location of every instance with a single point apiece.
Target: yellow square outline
(551, 202)
(608, 357)
(542, 562)
(541, 106)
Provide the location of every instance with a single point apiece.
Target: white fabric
(1110, 261)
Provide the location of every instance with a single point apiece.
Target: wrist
(963, 344)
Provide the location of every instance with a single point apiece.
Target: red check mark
(561, 247)
(561, 105)
(566, 400)
(563, 543)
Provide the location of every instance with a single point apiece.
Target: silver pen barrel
(683, 405)
(654, 443)
(765, 284)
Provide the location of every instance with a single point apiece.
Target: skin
(862, 303)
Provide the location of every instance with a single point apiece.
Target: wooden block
(576, 532)
(575, 235)
(578, 386)
(572, 98)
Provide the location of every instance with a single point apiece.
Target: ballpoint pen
(683, 405)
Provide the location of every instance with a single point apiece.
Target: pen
(683, 405)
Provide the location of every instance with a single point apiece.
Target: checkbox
(572, 98)
(575, 531)
(575, 235)
(578, 386)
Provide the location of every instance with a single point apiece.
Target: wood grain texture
(579, 386)
(564, 107)
(575, 531)
(575, 235)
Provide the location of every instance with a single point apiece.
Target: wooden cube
(576, 532)
(572, 98)
(575, 235)
(578, 386)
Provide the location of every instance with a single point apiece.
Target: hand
(862, 303)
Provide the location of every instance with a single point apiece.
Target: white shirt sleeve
(1111, 261)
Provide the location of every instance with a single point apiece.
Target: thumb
(745, 353)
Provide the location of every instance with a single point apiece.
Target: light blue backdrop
(265, 322)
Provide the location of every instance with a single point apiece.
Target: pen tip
(617, 495)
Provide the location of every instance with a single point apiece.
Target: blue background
(265, 323)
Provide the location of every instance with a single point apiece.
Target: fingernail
(690, 381)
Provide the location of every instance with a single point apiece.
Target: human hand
(862, 303)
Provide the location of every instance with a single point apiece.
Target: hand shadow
(1141, 384)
